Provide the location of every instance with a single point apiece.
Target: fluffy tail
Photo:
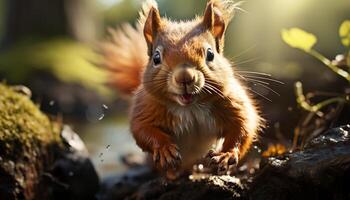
(125, 53)
(125, 56)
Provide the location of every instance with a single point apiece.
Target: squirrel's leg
(234, 148)
(164, 152)
(229, 154)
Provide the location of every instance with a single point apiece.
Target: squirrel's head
(186, 62)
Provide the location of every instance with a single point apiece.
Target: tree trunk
(44, 19)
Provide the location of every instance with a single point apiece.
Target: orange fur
(186, 103)
(125, 57)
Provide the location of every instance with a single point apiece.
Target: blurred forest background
(50, 46)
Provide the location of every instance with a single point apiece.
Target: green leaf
(344, 33)
(299, 38)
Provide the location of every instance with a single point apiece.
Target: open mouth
(185, 99)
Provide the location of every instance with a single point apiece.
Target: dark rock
(74, 172)
(331, 137)
(321, 171)
(143, 183)
(40, 158)
(119, 187)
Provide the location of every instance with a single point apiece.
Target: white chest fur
(194, 119)
(196, 133)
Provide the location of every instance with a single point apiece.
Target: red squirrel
(186, 100)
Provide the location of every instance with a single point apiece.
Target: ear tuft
(217, 16)
(227, 8)
(146, 7)
(213, 20)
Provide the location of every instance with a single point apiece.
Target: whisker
(259, 94)
(243, 52)
(196, 89)
(215, 90)
(164, 70)
(154, 81)
(245, 61)
(268, 88)
(256, 81)
(263, 78)
(211, 81)
(152, 75)
(155, 78)
(156, 88)
(206, 89)
(250, 72)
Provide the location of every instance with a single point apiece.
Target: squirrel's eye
(156, 58)
(210, 55)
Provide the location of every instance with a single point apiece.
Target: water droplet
(51, 103)
(105, 106)
(71, 173)
(101, 117)
(101, 154)
(200, 167)
(102, 160)
(108, 147)
(94, 113)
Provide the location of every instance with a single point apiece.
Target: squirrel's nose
(185, 77)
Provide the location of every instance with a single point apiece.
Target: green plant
(300, 39)
(305, 41)
(317, 117)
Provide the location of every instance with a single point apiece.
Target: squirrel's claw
(224, 160)
(166, 156)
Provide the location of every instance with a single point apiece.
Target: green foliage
(300, 39)
(68, 60)
(302, 100)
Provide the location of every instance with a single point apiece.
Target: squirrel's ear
(152, 26)
(213, 21)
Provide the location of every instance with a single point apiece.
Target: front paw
(166, 156)
(223, 160)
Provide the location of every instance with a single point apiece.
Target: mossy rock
(32, 148)
(27, 138)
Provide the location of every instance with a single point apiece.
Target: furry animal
(185, 97)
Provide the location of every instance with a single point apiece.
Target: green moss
(28, 145)
(23, 127)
